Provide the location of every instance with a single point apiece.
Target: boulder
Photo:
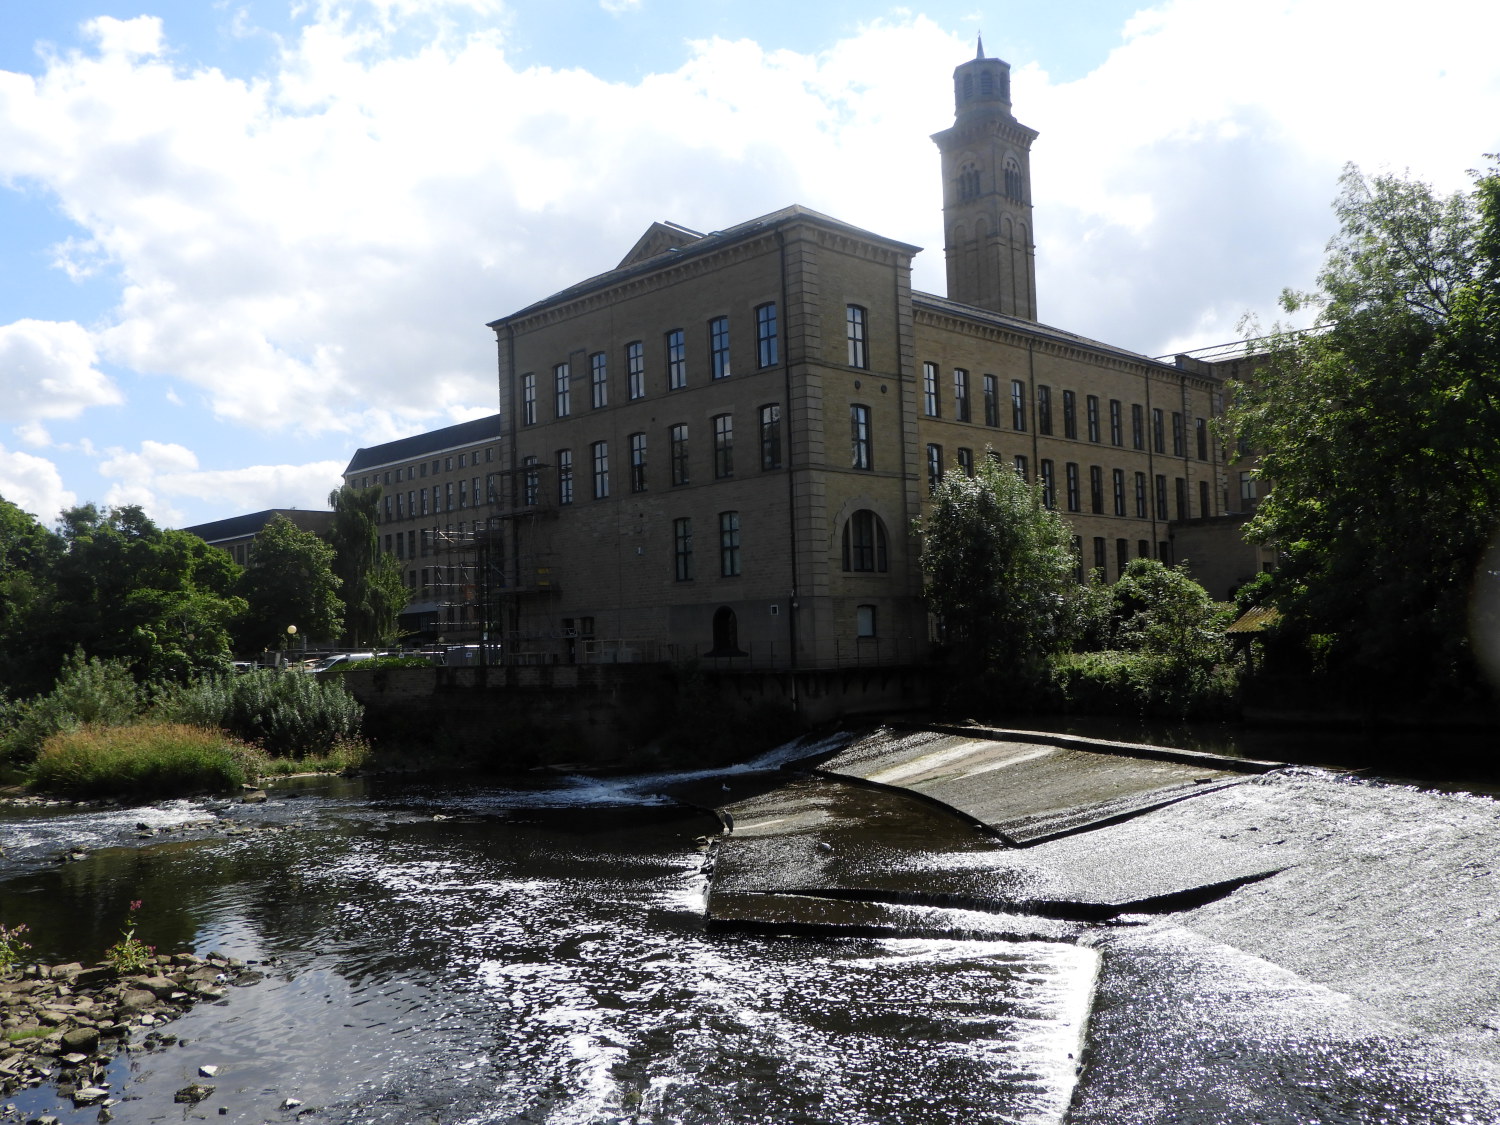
(161, 987)
(136, 1000)
(85, 1039)
(193, 1094)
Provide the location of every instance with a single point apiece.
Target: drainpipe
(1151, 462)
(791, 487)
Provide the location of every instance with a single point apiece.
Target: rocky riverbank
(64, 1023)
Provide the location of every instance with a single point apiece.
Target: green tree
(1379, 433)
(1159, 609)
(1001, 572)
(163, 601)
(372, 590)
(29, 554)
(289, 581)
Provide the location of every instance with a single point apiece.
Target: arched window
(1013, 187)
(865, 543)
(986, 84)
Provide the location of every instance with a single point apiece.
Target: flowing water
(525, 955)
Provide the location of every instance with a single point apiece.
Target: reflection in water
(507, 956)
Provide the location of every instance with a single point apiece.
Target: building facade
(720, 448)
(235, 535)
(437, 492)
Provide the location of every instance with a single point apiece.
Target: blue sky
(242, 239)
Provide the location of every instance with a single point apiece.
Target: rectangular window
(1181, 487)
(676, 360)
(1122, 556)
(489, 491)
(766, 343)
(1070, 414)
(635, 370)
(678, 440)
(1023, 467)
(528, 403)
(991, 401)
(930, 390)
(854, 322)
(682, 536)
(1078, 574)
(1044, 408)
(1247, 486)
(531, 482)
(1141, 511)
(1071, 474)
(1200, 427)
(770, 436)
(934, 467)
(1203, 512)
(564, 476)
(637, 462)
(1158, 431)
(1049, 486)
(598, 381)
(1116, 424)
(864, 621)
(1096, 490)
(723, 445)
(1100, 557)
(960, 394)
(1179, 435)
(965, 458)
(599, 455)
(463, 494)
(1137, 426)
(562, 392)
(862, 456)
(1161, 496)
(1117, 477)
(448, 495)
(1142, 549)
(729, 544)
(423, 494)
(1018, 406)
(1092, 405)
(718, 347)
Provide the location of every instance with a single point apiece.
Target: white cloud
(619, 7)
(158, 476)
(48, 371)
(141, 36)
(34, 434)
(316, 250)
(34, 485)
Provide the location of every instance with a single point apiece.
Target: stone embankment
(63, 1023)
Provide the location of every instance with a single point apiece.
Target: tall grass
(88, 690)
(143, 760)
(285, 713)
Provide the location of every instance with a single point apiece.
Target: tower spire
(980, 53)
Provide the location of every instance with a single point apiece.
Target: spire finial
(980, 53)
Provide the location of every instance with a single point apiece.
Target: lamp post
(291, 636)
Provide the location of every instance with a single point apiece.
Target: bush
(143, 760)
(1142, 683)
(88, 691)
(285, 713)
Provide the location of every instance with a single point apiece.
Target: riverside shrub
(88, 690)
(143, 760)
(286, 713)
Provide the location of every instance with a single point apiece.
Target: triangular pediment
(660, 238)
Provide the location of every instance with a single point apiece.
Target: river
(534, 954)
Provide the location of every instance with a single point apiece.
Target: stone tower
(987, 231)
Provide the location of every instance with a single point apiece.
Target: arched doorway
(726, 633)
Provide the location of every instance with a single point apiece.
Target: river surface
(524, 955)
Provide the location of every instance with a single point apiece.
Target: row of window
(420, 469)
(1019, 413)
(1122, 554)
(1120, 490)
(451, 496)
(865, 545)
(674, 345)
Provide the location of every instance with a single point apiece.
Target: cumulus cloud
(159, 476)
(315, 250)
(34, 485)
(48, 371)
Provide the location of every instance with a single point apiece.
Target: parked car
(339, 658)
